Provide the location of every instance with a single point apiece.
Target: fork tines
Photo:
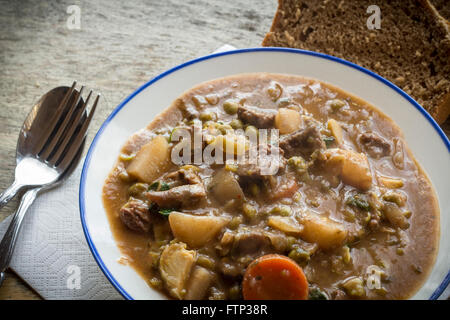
(67, 129)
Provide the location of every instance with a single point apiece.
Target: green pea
(236, 124)
(255, 189)
(284, 211)
(346, 255)
(206, 116)
(137, 189)
(291, 242)
(337, 104)
(251, 131)
(205, 262)
(299, 255)
(249, 211)
(235, 292)
(223, 128)
(298, 163)
(230, 107)
(235, 222)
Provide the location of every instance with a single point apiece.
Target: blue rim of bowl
(92, 247)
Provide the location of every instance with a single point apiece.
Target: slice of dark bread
(411, 49)
(443, 7)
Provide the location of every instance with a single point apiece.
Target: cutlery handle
(9, 193)
(9, 239)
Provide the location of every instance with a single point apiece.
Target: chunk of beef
(243, 246)
(374, 145)
(231, 268)
(240, 249)
(185, 176)
(269, 160)
(135, 215)
(189, 190)
(182, 196)
(258, 117)
(251, 242)
(302, 142)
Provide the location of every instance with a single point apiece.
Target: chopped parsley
(317, 294)
(159, 186)
(358, 202)
(328, 141)
(165, 212)
(154, 186)
(164, 186)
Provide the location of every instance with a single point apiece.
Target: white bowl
(426, 140)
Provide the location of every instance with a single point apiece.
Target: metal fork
(45, 155)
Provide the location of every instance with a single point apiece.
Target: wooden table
(119, 46)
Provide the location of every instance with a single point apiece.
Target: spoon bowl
(34, 128)
(49, 138)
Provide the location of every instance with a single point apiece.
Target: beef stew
(345, 201)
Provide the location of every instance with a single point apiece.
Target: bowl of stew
(269, 173)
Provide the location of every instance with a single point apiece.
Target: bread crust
(275, 21)
(436, 99)
(442, 111)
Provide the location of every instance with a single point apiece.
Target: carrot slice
(274, 277)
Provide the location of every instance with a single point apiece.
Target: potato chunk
(353, 167)
(356, 171)
(336, 130)
(199, 283)
(287, 120)
(285, 224)
(224, 187)
(151, 160)
(195, 230)
(323, 231)
(175, 266)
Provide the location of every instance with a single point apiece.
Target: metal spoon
(49, 148)
(34, 133)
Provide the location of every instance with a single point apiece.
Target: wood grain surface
(120, 45)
